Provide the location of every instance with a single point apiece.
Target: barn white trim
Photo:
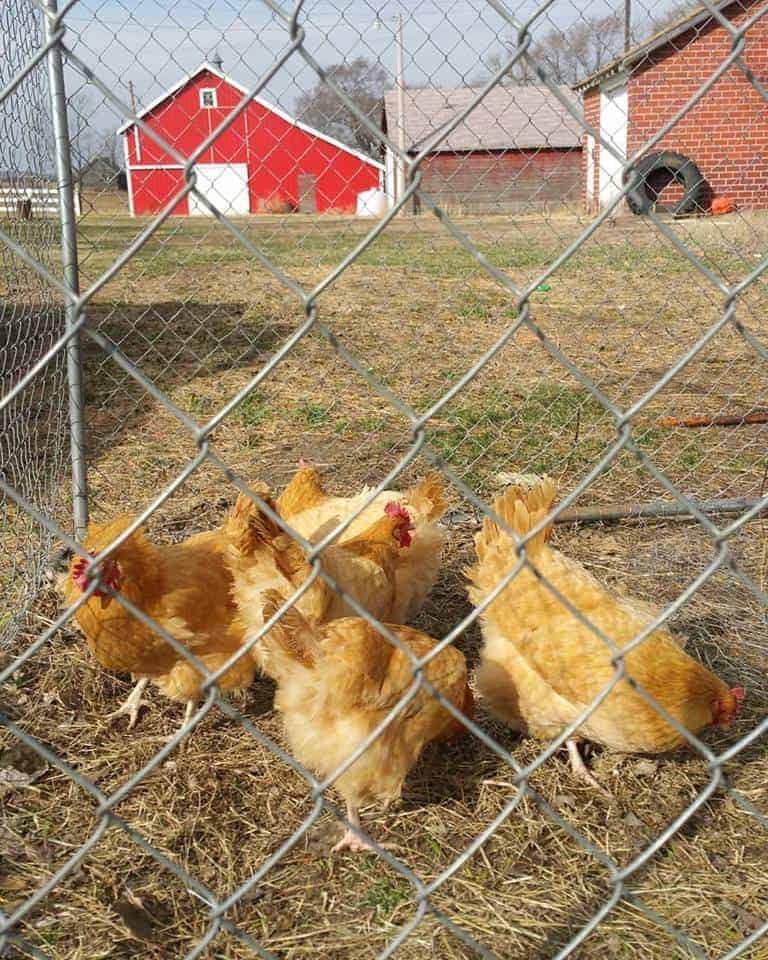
(264, 103)
(128, 177)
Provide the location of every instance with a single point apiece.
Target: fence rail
(204, 355)
(29, 202)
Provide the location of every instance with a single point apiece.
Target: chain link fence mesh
(486, 324)
(33, 438)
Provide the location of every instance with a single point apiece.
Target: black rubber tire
(683, 169)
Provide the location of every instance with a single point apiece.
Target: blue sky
(152, 44)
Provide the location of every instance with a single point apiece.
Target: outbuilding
(519, 149)
(725, 134)
(265, 161)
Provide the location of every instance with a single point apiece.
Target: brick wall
(504, 181)
(726, 134)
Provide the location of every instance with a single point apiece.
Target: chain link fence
(217, 324)
(33, 439)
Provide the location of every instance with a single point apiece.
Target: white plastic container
(372, 203)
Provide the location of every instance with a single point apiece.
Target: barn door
(225, 185)
(307, 193)
(613, 128)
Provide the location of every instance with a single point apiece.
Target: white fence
(28, 202)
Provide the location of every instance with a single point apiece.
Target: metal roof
(509, 118)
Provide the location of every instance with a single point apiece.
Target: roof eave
(206, 66)
(660, 40)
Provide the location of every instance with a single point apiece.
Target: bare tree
(87, 140)
(678, 10)
(567, 55)
(364, 83)
(574, 52)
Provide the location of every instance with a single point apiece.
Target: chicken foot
(133, 704)
(350, 840)
(579, 768)
(189, 709)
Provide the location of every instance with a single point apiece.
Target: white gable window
(208, 98)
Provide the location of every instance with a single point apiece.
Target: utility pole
(400, 84)
(132, 95)
(627, 25)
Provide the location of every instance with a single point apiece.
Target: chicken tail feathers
(247, 527)
(292, 641)
(428, 497)
(523, 505)
(456, 730)
(304, 491)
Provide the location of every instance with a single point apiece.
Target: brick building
(519, 149)
(725, 134)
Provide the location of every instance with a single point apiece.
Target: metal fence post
(65, 182)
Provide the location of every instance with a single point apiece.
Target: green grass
(314, 414)
(532, 433)
(386, 895)
(253, 411)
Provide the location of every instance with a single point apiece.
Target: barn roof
(508, 118)
(210, 68)
(671, 32)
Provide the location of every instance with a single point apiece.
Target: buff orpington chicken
(541, 666)
(263, 558)
(306, 506)
(335, 685)
(186, 588)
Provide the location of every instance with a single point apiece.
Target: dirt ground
(201, 317)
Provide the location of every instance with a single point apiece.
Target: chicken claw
(580, 771)
(181, 732)
(350, 840)
(132, 705)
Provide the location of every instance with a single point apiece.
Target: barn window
(208, 98)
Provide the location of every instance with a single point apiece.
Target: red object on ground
(723, 205)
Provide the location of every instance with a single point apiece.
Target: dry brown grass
(202, 319)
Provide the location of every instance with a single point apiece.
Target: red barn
(265, 160)
(725, 134)
(519, 149)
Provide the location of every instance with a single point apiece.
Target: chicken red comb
(402, 533)
(395, 509)
(79, 572)
(738, 695)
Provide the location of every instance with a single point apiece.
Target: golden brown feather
(262, 558)
(541, 666)
(337, 682)
(185, 588)
(314, 514)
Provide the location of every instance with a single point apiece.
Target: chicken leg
(189, 709)
(579, 768)
(350, 840)
(132, 705)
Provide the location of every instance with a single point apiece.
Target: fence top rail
(14, 191)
